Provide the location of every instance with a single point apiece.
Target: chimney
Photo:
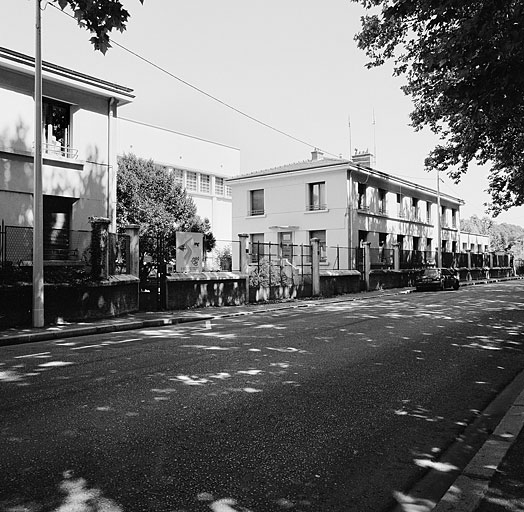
(317, 155)
(364, 158)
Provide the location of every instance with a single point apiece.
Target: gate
(156, 253)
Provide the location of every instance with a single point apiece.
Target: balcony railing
(254, 213)
(316, 207)
(58, 150)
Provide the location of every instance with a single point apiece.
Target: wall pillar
(396, 256)
(468, 251)
(99, 247)
(244, 264)
(133, 257)
(315, 267)
(367, 262)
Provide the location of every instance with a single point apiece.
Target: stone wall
(63, 302)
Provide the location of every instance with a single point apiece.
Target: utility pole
(438, 259)
(38, 210)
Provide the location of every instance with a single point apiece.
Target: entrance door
(286, 245)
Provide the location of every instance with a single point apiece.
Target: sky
(292, 64)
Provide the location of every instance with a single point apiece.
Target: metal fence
(118, 253)
(60, 247)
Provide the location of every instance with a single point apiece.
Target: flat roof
(26, 64)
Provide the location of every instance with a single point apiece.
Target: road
(332, 407)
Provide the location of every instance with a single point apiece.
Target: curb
(469, 489)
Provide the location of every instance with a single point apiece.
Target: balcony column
(468, 251)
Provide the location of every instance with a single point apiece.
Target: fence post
(367, 263)
(99, 247)
(133, 258)
(315, 267)
(396, 256)
(244, 266)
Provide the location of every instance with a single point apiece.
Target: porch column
(133, 257)
(468, 251)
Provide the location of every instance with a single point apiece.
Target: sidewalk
(493, 481)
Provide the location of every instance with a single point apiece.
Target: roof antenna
(350, 147)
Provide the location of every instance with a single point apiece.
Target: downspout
(349, 194)
(111, 166)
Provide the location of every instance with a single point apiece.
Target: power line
(214, 98)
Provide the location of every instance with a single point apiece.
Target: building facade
(200, 166)
(79, 144)
(344, 205)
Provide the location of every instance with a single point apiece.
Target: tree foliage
(147, 195)
(463, 61)
(99, 17)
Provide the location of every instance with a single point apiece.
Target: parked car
(437, 279)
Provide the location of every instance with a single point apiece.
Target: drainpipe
(349, 195)
(111, 165)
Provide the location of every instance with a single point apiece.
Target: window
(362, 237)
(191, 180)
(400, 211)
(228, 191)
(56, 121)
(382, 201)
(286, 244)
(428, 212)
(178, 177)
(257, 247)
(362, 205)
(205, 183)
(317, 196)
(453, 218)
(429, 244)
(256, 202)
(416, 243)
(321, 235)
(414, 208)
(400, 241)
(443, 220)
(219, 186)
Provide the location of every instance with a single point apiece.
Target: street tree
(148, 195)
(99, 17)
(463, 65)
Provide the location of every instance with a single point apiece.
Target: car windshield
(431, 272)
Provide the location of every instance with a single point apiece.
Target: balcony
(54, 150)
(316, 207)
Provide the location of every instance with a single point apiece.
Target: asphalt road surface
(332, 407)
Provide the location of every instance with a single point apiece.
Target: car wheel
(456, 285)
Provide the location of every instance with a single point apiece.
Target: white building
(343, 204)
(79, 144)
(200, 166)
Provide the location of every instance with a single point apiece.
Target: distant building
(200, 166)
(343, 204)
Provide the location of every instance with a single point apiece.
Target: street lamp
(38, 263)
(438, 259)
